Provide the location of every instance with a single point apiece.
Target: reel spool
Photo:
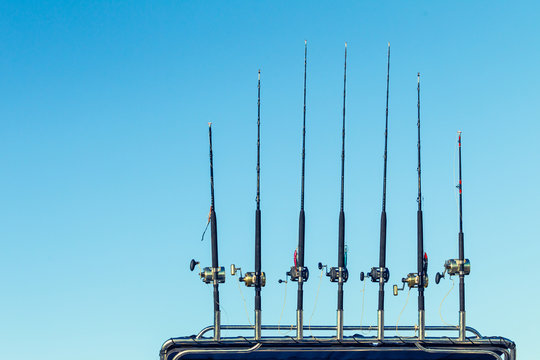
(207, 274)
(451, 267)
(249, 278)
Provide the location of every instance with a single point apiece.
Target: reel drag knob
(192, 264)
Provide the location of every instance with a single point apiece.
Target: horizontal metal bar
(333, 328)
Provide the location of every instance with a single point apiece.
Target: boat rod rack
(496, 347)
(334, 327)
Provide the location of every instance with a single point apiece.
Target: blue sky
(105, 189)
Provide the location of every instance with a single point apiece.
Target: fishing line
(224, 311)
(454, 175)
(406, 302)
(282, 310)
(315, 304)
(444, 298)
(362, 312)
(208, 223)
(245, 303)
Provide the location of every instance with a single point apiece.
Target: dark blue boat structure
(338, 341)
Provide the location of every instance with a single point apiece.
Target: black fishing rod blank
(340, 273)
(381, 274)
(298, 272)
(256, 279)
(215, 274)
(420, 278)
(460, 266)
(302, 273)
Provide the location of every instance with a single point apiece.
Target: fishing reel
(249, 279)
(413, 279)
(335, 273)
(296, 273)
(452, 267)
(208, 274)
(376, 273)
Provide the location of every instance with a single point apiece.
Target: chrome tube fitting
(257, 324)
(462, 329)
(217, 325)
(339, 334)
(421, 325)
(380, 324)
(299, 324)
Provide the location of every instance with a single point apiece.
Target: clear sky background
(104, 186)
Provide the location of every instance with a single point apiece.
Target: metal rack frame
(493, 347)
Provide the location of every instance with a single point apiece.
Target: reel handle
(192, 264)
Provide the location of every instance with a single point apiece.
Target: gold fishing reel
(452, 267)
(208, 274)
(250, 278)
(412, 281)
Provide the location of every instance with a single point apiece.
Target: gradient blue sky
(104, 189)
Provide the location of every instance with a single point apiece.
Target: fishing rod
(420, 279)
(303, 272)
(298, 272)
(381, 274)
(340, 273)
(215, 274)
(459, 266)
(256, 279)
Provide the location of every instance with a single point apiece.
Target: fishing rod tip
(305, 42)
(389, 44)
(345, 44)
(209, 124)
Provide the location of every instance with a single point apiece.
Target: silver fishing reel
(451, 267)
(296, 273)
(335, 273)
(249, 279)
(376, 273)
(208, 274)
